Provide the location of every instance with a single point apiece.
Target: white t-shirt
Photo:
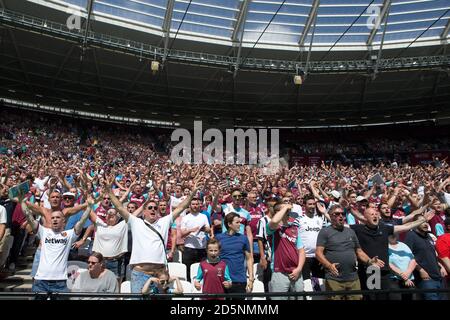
(40, 183)
(54, 253)
(297, 209)
(195, 240)
(110, 241)
(147, 245)
(309, 230)
(2, 215)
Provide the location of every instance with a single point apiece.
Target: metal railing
(197, 296)
(143, 50)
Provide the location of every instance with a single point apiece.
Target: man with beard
(373, 238)
(428, 271)
(310, 224)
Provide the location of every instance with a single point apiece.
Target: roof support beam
(243, 9)
(446, 30)
(380, 49)
(312, 16)
(382, 16)
(89, 6)
(166, 27)
(238, 32)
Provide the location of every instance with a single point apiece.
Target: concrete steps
(21, 280)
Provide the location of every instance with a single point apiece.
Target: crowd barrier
(200, 296)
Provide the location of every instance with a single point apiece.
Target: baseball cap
(360, 198)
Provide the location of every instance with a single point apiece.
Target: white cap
(69, 194)
(360, 198)
(335, 194)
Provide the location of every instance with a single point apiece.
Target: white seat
(125, 287)
(258, 287)
(73, 271)
(307, 287)
(187, 288)
(177, 270)
(194, 270)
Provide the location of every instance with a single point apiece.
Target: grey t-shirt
(340, 248)
(106, 283)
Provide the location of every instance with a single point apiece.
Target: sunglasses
(152, 207)
(92, 262)
(339, 213)
(68, 198)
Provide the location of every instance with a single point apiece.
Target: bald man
(56, 242)
(373, 238)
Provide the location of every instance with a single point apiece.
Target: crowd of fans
(305, 226)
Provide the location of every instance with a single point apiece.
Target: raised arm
(276, 219)
(414, 224)
(185, 203)
(117, 204)
(28, 215)
(79, 225)
(411, 216)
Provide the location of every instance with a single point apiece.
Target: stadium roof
(231, 62)
(285, 24)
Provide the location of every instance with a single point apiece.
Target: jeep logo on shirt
(316, 229)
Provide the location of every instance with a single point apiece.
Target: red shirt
(443, 246)
(438, 218)
(256, 213)
(286, 241)
(213, 275)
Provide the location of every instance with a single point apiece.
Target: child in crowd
(213, 271)
(161, 284)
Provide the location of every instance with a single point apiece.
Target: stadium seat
(258, 287)
(187, 288)
(194, 270)
(125, 287)
(73, 271)
(177, 269)
(307, 287)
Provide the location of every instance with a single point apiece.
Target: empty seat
(177, 270)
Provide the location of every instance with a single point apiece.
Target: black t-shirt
(374, 242)
(423, 249)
